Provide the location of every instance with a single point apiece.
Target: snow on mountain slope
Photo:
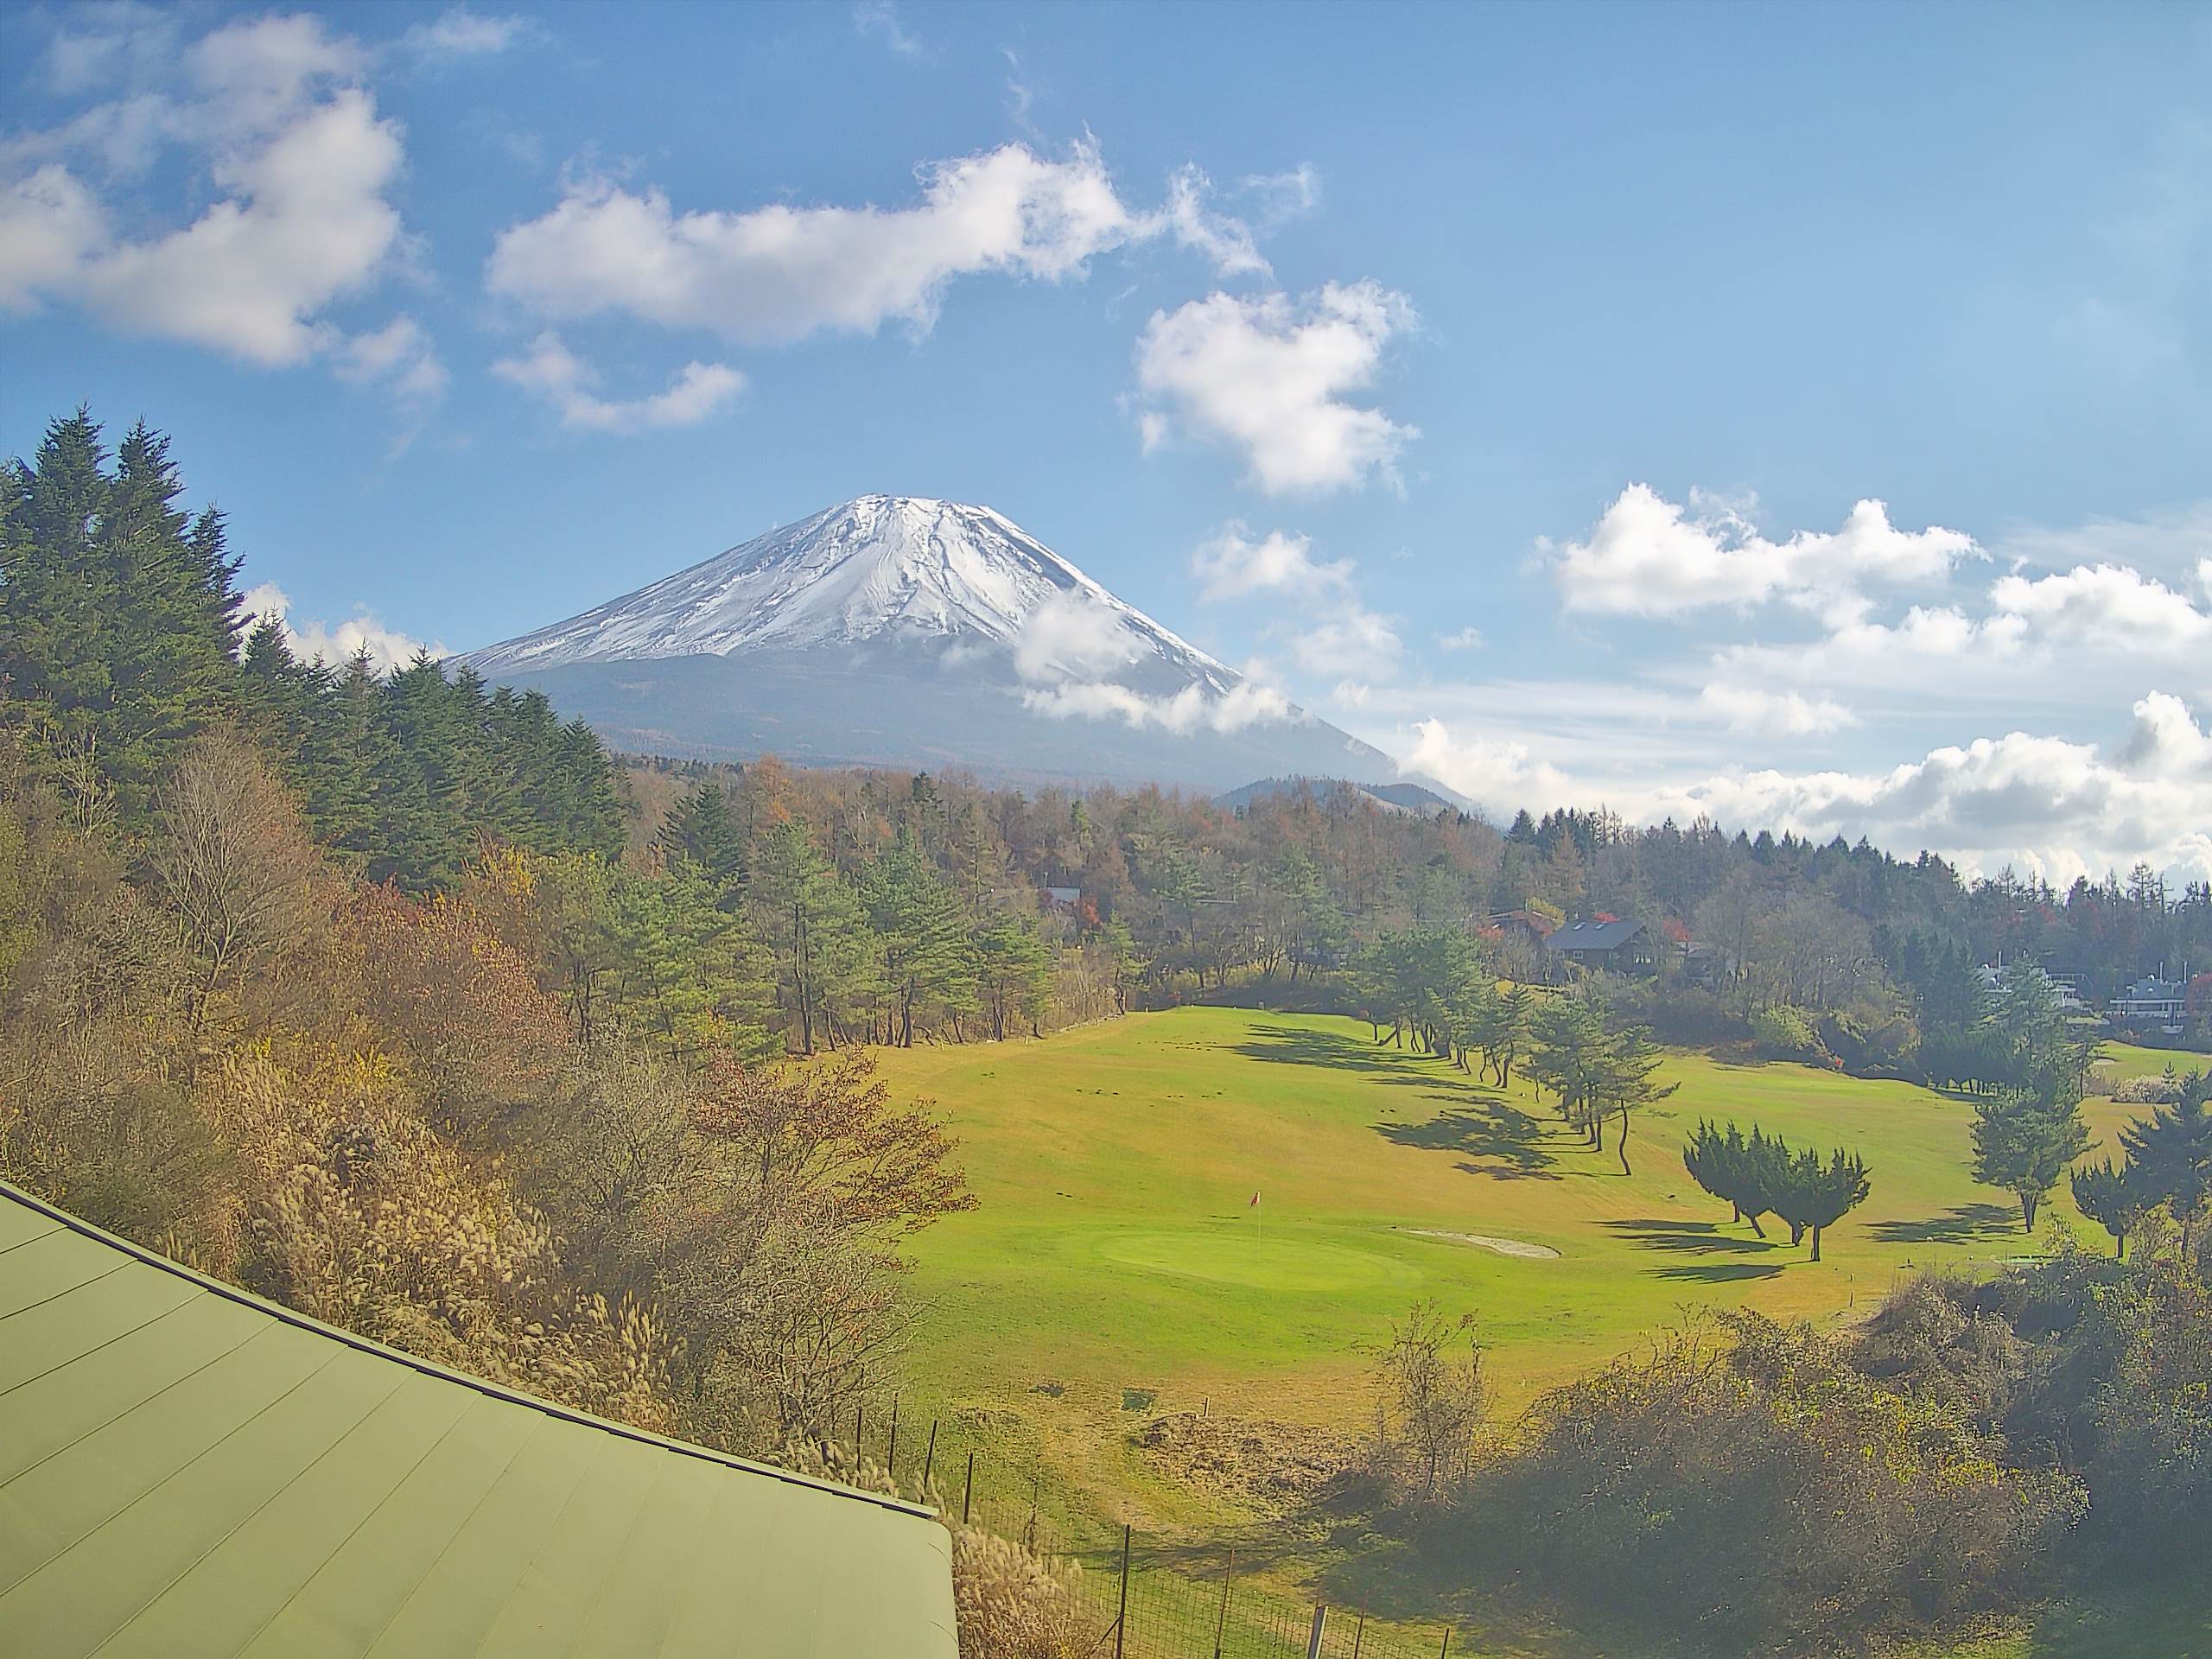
(890, 569)
(895, 631)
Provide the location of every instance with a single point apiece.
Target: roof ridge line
(444, 1373)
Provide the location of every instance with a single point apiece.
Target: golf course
(1117, 1265)
(1118, 1245)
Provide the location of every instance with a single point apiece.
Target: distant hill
(1414, 798)
(895, 631)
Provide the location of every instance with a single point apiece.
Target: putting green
(1249, 1257)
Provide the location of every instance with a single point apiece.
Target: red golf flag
(1254, 1203)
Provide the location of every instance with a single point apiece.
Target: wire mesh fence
(1154, 1598)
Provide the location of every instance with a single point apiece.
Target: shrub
(2158, 1088)
(1786, 1033)
(1745, 1484)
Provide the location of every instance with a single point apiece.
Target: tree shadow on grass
(1701, 1238)
(1721, 1272)
(1500, 1140)
(1687, 1237)
(1960, 1224)
(1343, 1051)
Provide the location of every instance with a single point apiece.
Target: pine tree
(929, 962)
(813, 923)
(2171, 1155)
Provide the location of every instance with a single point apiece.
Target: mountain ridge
(908, 630)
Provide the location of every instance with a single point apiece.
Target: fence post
(968, 1496)
(860, 1415)
(1036, 1485)
(1320, 1625)
(1121, 1613)
(1359, 1635)
(1445, 1651)
(929, 1457)
(1221, 1619)
(891, 1451)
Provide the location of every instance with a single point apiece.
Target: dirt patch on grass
(1518, 1247)
(1249, 1460)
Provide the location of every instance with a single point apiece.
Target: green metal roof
(188, 1470)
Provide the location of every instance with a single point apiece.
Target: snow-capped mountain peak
(879, 569)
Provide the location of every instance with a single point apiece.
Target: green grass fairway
(1116, 1245)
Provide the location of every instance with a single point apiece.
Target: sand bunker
(1485, 1242)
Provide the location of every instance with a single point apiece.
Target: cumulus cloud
(1191, 709)
(1355, 643)
(1467, 638)
(280, 131)
(778, 274)
(2048, 806)
(1650, 556)
(1774, 714)
(2106, 605)
(1073, 636)
(1499, 774)
(313, 641)
(550, 371)
(50, 222)
(1232, 564)
(1269, 375)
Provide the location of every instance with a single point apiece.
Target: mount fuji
(895, 631)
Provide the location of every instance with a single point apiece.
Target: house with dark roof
(1628, 947)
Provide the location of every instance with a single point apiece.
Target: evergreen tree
(2112, 1196)
(1811, 1197)
(928, 962)
(2169, 1155)
(813, 925)
(2023, 1142)
(1014, 972)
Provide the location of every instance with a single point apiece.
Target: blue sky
(1502, 382)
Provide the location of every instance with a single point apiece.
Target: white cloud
(1467, 638)
(2167, 541)
(48, 223)
(881, 17)
(2048, 806)
(2106, 605)
(1284, 196)
(278, 131)
(399, 355)
(305, 222)
(1073, 636)
(1774, 714)
(555, 373)
(1230, 564)
(2054, 807)
(310, 641)
(1268, 375)
(458, 32)
(1352, 642)
(1498, 774)
(1246, 704)
(1227, 243)
(778, 274)
(1650, 556)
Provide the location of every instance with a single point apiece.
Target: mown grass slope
(1116, 1246)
